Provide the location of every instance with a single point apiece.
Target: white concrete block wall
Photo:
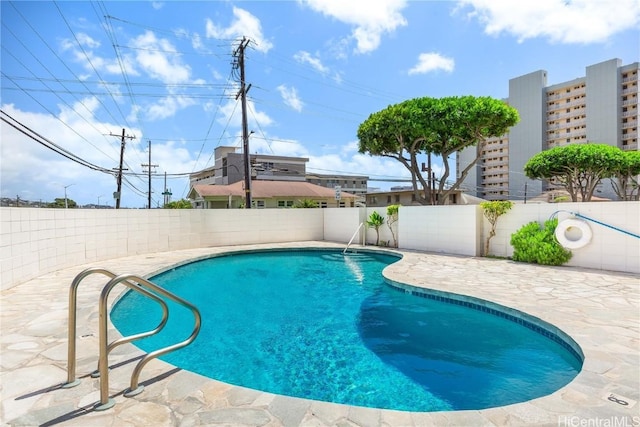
(608, 250)
(340, 224)
(38, 241)
(445, 229)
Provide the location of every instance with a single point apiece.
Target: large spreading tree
(578, 168)
(626, 184)
(440, 126)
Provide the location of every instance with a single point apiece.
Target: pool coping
(602, 319)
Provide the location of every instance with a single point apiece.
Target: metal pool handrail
(105, 401)
(137, 284)
(72, 381)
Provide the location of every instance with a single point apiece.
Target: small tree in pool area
(392, 218)
(492, 211)
(375, 221)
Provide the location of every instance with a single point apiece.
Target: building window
(397, 198)
(389, 199)
(285, 203)
(322, 204)
(259, 204)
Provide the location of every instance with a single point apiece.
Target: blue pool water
(324, 326)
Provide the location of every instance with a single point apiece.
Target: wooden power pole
(118, 192)
(238, 55)
(149, 165)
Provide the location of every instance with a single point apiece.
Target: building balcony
(565, 105)
(488, 181)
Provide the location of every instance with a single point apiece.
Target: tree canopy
(439, 126)
(179, 204)
(626, 172)
(578, 168)
(60, 203)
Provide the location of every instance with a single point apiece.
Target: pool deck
(600, 310)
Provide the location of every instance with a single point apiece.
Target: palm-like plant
(305, 203)
(375, 221)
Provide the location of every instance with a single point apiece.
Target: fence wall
(38, 241)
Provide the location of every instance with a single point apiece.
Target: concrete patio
(600, 310)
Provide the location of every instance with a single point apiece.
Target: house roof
(270, 189)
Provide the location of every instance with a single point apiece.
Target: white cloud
(196, 41)
(244, 24)
(306, 58)
(156, 57)
(265, 144)
(428, 62)
(290, 97)
(370, 19)
(230, 115)
(574, 21)
(90, 61)
(87, 41)
(167, 107)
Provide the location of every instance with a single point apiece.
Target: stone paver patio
(599, 310)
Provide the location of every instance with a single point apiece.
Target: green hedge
(538, 245)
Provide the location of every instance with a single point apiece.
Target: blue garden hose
(598, 222)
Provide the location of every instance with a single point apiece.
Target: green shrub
(536, 244)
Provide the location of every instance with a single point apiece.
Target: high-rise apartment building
(601, 107)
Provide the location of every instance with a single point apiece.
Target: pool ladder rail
(144, 287)
(344, 252)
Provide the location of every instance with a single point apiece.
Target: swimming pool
(320, 325)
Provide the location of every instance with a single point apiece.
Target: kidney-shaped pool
(321, 325)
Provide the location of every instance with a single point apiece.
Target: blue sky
(76, 72)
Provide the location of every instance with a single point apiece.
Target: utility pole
(239, 63)
(149, 165)
(167, 192)
(118, 192)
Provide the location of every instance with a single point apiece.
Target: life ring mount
(573, 233)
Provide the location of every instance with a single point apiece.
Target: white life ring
(571, 243)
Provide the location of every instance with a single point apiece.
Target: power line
(35, 136)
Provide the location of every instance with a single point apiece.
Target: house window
(259, 204)
(322, 204)
(388, 199)
(285, 203)
(341, 204)
(397, 198)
